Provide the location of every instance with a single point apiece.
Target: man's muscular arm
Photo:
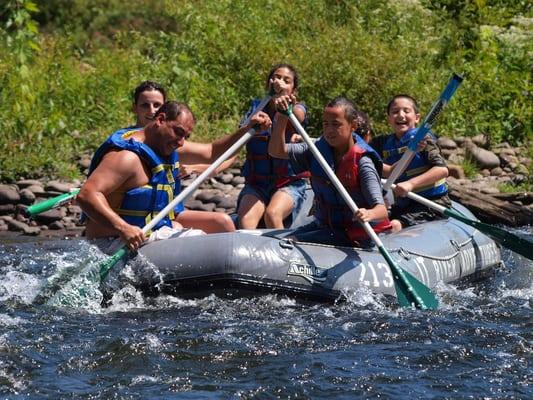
(117, 172)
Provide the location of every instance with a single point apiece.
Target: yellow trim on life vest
(128, 134)
(131, 213)
(438, 183)
(399, 150)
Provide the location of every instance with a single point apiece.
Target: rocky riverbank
(501, 165)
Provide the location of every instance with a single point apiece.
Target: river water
(477, 345)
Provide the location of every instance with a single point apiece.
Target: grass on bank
(68, 66)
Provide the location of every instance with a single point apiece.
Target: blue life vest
(260, 168)
(330, 207)
(393, 150)
(141, 204)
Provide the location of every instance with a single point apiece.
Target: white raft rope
(405, 253)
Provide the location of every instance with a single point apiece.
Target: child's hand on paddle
(363, 215)
(260, 119)
(403, 188)
(283, 102)
(295, 138)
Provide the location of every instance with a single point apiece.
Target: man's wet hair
(350, 110)
(403, 96)
(173, 109)
(148, 86)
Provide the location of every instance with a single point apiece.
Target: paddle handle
(398, 274)
(198, 181)
(331, 175)
(424, 128)
(422, 200)
(108, 264)
(54, 202)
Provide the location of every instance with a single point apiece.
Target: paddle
(409, 290)
(54, 202)
(57, 282)
(107, 265)
(507, 239)
(424, 128)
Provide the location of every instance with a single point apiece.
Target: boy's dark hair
(173, 109)
(364, 128)
(403, 96)
(350, 110)
(148, 86)
(290, 68)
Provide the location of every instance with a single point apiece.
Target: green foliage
(512, 188)
(470, 168)
(215, 55)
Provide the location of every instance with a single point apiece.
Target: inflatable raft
(268, 261)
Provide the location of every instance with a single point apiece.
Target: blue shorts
(296, 189)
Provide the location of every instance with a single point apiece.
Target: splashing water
(477, 345)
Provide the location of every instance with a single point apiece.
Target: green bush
(73, 86)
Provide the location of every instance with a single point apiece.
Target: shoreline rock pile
(503, 164)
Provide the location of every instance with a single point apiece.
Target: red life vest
(332, 208)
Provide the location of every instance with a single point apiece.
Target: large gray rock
(36, 189)
(193, 204)
(225, 178)
(483, 158)
(17, 226)
(9, 194)
(27, 196)
(227, 202)
(51, 216)
(480, 140)
(446, 143)
(496, 171)
(6, 209)
(237, 180)
(208, 195)
(24, 183)
(57, 186)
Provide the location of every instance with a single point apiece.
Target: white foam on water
(153, 343)
(4, 341)
(126, 299)
(141, 379)
(15, 385)
(523, 294)
(363, 297)
(7, 320)
(19, 286)
(82, 291)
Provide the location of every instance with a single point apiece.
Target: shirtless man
(136, 174)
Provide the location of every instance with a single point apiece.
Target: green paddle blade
(426, 299)
(409, 290)
(509, 240)
(54, 202)
(106, 266)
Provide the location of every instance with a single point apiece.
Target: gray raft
(262, 261)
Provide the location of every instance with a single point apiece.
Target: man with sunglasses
(135, 173)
